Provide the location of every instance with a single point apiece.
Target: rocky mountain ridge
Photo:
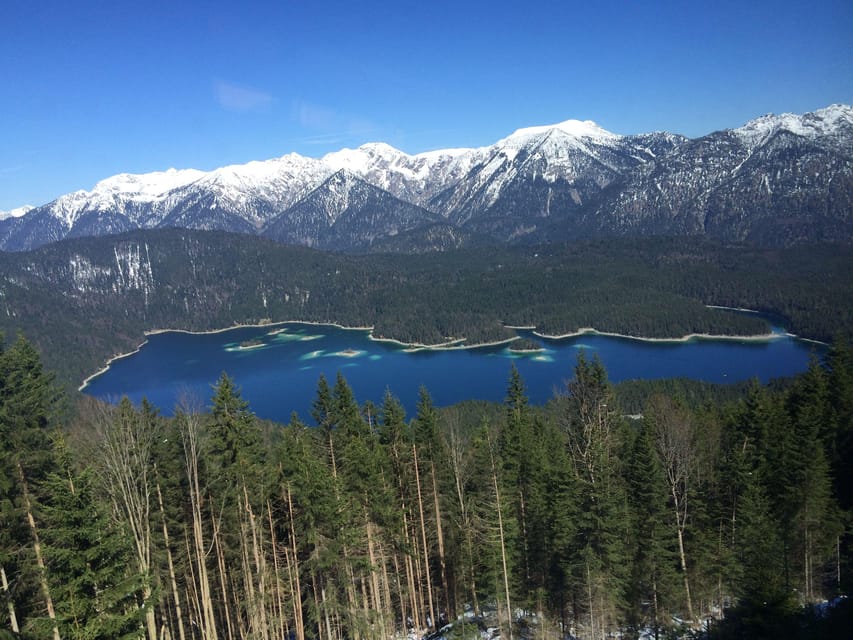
(778, 180)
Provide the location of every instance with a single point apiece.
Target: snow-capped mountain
(775, 180)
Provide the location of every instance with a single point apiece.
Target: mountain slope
(346, 213)
(777, 180)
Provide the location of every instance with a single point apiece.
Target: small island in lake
(526, 345)
(251, 344)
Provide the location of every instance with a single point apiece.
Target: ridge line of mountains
(776, 181)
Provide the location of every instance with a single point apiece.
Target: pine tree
(809, 492)
(432, 456)
(763, 597)
(590, 423)
(97, 593)
(840, 365)
(27, 403)
(525, 474)
(562, 504)
(235, 439)
(653, 582)
(513, 451)
(235, 476)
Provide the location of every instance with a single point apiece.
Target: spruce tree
(599, 565)
(762, 595)
(97, 592)
(809, 506)
(28, 400)
(653, 583)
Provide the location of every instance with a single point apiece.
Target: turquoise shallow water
(278, 366)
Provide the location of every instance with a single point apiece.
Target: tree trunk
(45, 589)
(410, 576)
(190, 436)
(400, 593)
(679, 522)
(191, 592)
(300, 625)
(423, 535)
(388, 614)
(503, 545)
(172, 579)
(126, 462)
(259, 559)
(13, 619)
(449, 610)
(591, 601)
(223, 580)
(278, 605)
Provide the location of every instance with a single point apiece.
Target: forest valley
(568, 520)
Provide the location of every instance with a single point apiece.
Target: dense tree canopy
(574, 517)
(72, 300)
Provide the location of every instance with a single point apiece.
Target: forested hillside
(82, 301)
(360, 522)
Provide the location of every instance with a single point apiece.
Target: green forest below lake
(699, 516)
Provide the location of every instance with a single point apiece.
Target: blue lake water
(279, 375)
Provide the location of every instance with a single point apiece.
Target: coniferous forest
(718, 520)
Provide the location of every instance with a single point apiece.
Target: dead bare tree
(191, 436)
(676, 447)
(125, 445)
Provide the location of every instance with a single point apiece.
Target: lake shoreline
(454, 343)
(590, 331)
(106, 366)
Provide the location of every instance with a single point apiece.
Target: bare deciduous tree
(125, 447)
(676, 447)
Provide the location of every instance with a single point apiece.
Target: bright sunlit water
(278, 366)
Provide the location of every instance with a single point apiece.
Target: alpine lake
(277, 366)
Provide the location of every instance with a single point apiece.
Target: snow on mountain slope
(17, 212)
(256, 191)
(572, 132)
(537, 181)
(817, 124)
(416, 178)
(346, 212)
(576, 158)
(122, 194)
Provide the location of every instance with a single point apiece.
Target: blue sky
(92, 88)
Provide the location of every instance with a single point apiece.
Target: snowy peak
(583, 129)
(539, 183)
(259, 172)
(364, 158)
(17, 212)
(813, 125)
(560, 138)
(146, 185)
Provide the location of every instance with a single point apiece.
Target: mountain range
(776, 181)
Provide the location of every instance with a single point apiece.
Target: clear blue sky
(93, 88)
